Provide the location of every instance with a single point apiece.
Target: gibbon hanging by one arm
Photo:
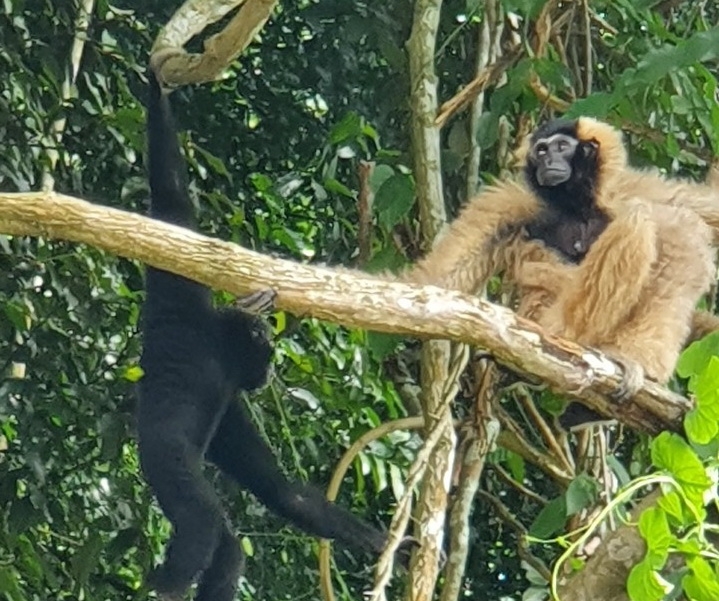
(631, 269)
(195, 359)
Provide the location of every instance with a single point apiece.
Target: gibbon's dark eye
(562, 145)
(541, 149)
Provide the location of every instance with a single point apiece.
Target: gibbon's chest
(569, 234)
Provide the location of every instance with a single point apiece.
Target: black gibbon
(195, 360)
(603, 254)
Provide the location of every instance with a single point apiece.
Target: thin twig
(82, 23)
(480, 83)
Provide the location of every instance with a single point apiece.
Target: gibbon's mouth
(552, 177)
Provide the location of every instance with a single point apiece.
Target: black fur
(195, 359)
(571, 221)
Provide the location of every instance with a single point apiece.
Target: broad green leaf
(380, 174)
(644, 584)
(702, 583)
(581, 493)
(394, 199)
(487, 129)
(87, 557)
(654, 527)
(669, 451)
(550, 520)
(348, 129)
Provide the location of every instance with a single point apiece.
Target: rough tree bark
(348, 299)
(431, 510)
(193, 17)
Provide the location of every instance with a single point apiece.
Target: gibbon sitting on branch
(603, 254)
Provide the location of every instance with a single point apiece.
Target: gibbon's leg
(610, 280)
(173, 466)
(241, 453)
(661, 322)
(219, 581)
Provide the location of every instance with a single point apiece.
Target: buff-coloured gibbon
(609, 256)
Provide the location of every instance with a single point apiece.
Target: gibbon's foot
(404, 551)
(409, 544)
(632, 380)
(577, 417)
(257, 303)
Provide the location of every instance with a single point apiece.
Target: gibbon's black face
(552, 158)
(561, 168)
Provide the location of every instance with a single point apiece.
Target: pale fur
(634, 294)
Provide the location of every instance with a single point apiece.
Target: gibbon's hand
(632, 380)
(257, 303)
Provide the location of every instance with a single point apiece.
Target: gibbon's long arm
(702, 198)
(477, 243)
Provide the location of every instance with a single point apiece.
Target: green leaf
(380, 174)
(699, 47)
(654, 527)
(672, 505)
(669, 451)
(644, 584)
(337, 187)
(382, 345)
(87, 556)
(701, 584)
(581, 493)
(247, 547)
(348, 129)
(596, 105)
(10, 584)
(133, 373)
(214, 162)
(697, 355)
(394, 199)
(516, 465)
(527, 8)
(487, 129)
(550, 520)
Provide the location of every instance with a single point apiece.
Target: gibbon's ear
(612, 156)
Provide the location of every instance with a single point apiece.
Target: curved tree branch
(348, 299)
(220, 49)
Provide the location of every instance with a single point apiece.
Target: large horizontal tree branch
(351, 300)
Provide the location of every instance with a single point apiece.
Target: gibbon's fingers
(610, 281)
(578, 417)
(257, 303)
(475, 245)
(632, 380)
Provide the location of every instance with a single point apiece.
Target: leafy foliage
(274, 150)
